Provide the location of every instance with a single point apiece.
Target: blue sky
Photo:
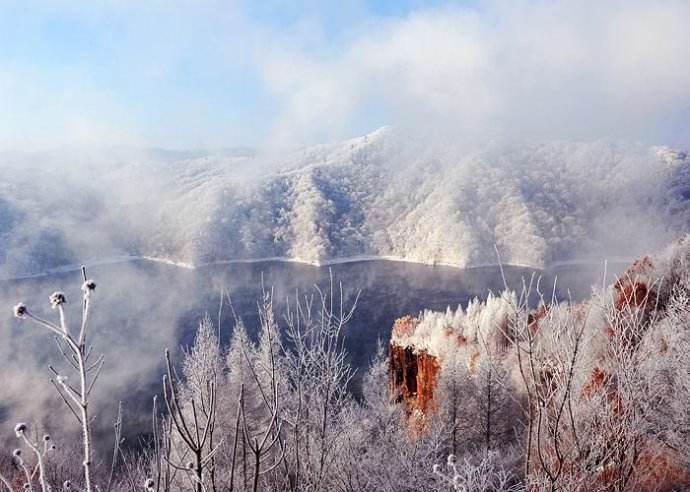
(158, 73)
(221, 74)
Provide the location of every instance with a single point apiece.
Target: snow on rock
(421, 345)
(436, 332)
(632, 334)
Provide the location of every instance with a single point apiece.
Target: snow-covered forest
(386, 194)
(344, 246)
(558, 396)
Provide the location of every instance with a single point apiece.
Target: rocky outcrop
(413, 378)
(420, 345)
(413, 372)
(633, 334)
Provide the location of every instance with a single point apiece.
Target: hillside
(380, 195)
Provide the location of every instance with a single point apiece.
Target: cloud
(216, 74)
(574, 70)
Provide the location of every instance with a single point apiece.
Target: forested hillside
(385, 194)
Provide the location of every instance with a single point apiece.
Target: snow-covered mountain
(381, 195)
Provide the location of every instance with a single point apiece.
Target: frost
(57, 299)
(377, 196)
(88, 286)
(20, 310)
(436, 332)
(20, 428)
(670, 156)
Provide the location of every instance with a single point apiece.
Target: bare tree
(319, 374)
(485, 475)
(192, 409)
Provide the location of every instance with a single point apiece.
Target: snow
(438, 332)
(382, 195)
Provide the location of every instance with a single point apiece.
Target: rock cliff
(604, 384)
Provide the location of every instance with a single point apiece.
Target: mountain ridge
(382, 195)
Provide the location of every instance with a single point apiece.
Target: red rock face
(413, 377)
(602, 383)
(632, 289)
(656, 469)
(535, 317)
(427, 374)
(638, 294)
(660, 469)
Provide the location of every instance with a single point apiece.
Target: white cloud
(212, 73)
(525, 70)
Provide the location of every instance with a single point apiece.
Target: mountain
(381, 195)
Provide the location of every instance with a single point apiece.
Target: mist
(568, 93)
(140, 308)
(540, 135)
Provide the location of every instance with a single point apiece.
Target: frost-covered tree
(191, 406)
(318, 375)
(564, 397)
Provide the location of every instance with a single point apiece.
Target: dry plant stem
(6, 483)
(237, 434)
(116, 447)
(157, 457)
(319, 374)
(27, 475)
(522, 328)
(76, 354)
(261, 447)
(41, 469)
(261, 443)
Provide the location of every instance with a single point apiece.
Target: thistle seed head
(57, 299)
(89, 286)
(20, 428)
(20, 310)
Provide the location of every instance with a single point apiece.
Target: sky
(281, 73)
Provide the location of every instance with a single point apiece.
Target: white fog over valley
(360, 246)
(383, 195)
